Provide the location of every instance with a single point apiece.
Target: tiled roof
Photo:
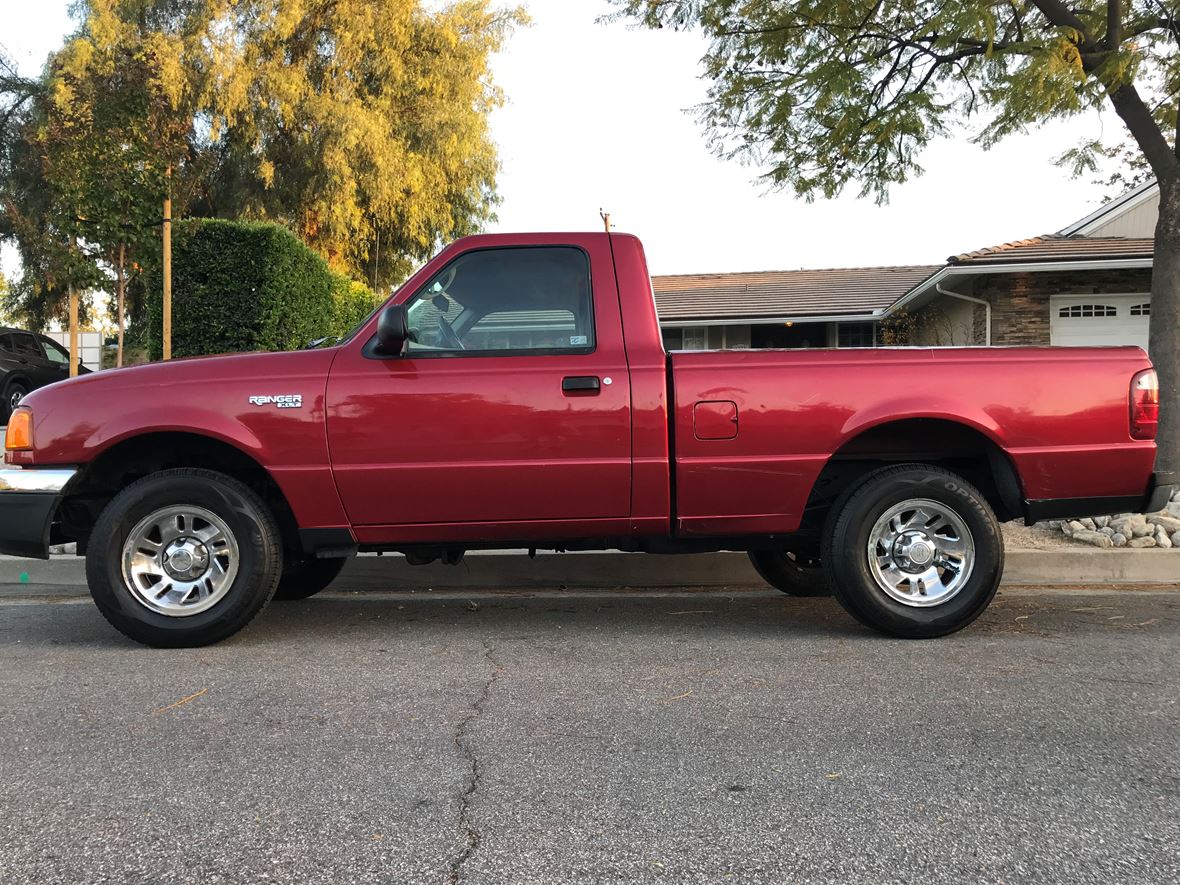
(772, 294)
(1055, 248)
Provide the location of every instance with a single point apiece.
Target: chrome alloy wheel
(180, 560)
(921, 552)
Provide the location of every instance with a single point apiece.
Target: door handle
(581, 383)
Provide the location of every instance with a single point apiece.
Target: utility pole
(73, 330)
(167, 332)
(73, 296)
(605, 216)
(121, 287)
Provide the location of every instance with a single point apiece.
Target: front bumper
(28, 501)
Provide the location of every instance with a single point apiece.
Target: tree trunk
(1164, 335)
(120, 289)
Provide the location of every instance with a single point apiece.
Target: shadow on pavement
(60, 619)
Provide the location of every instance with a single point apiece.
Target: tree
(830, 92)
(112, 132)
(29, 212)
(362, 125)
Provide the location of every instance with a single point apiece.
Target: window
(532, 329)
(21, 343)
(1075, 311)
(686, 338)
(533, 299)
(856, 335)
(1141, 310)
(55, 352)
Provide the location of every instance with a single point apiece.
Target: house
(1086, 284)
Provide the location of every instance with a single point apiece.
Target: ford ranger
(515, 392)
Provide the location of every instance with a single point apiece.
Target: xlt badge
(281, 400)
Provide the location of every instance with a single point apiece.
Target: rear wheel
(793, 573)
(914, 551)
(307, 577)
(183, 558)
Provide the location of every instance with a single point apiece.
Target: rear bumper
(28, 501)
(1160, 489)
(1163, 486)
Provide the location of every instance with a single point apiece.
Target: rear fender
(905, 409)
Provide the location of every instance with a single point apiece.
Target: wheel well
(134, 458)
(950, 445)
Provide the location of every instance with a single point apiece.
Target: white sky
(596, 116)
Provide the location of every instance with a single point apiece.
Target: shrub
(352, 302)
(242, 286)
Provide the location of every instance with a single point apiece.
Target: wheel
(13, 394)
(792, 573)
(913, 551)
(183, 558)
(307, 577)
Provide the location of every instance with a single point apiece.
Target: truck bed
(1058, 415)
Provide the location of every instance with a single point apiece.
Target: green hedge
(242, 286)
(351, 303)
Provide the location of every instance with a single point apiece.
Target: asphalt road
(692, 738)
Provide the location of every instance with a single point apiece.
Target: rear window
(24, 342)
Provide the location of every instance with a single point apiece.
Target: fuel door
(715, 419)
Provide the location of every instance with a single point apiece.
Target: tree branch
(1147, 134)
(1061, 15)
(1114, 24)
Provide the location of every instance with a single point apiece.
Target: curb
(512, 569)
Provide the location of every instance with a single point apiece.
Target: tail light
(1145, 404)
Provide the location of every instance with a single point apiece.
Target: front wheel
(792, 573)
(183, 558)
(914, 551)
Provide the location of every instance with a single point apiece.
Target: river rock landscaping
(1134, 530)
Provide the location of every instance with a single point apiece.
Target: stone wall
(1020, 302)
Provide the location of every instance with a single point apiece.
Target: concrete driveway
(682, 738)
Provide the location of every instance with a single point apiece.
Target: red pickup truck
(515, 392)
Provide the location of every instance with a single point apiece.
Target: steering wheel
(447, 335)
(445, 284)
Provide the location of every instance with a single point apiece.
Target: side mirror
(393, 330)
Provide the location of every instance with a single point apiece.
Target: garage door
(1083, 320)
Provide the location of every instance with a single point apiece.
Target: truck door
(510, 405)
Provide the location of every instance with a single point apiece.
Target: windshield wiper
(322, 342)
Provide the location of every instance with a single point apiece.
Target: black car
(29, 361)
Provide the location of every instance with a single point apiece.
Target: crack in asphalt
(462, 742)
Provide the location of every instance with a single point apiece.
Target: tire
(962, 533)
(792, 573)
(303, 578)
(229, 581)
(13, 394)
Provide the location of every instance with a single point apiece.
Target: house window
(1075, 311)
(686, 338)
(856, 335)
(1141, 310)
